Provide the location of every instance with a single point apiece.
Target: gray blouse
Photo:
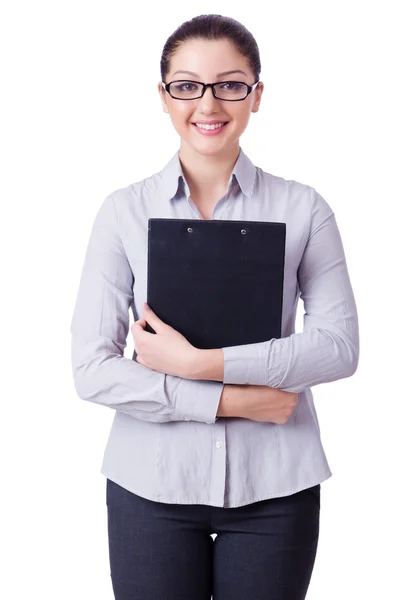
(166, 443)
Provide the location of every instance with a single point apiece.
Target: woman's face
(207, 59)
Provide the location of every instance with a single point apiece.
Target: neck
(205, 173)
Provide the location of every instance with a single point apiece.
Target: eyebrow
(219, 74)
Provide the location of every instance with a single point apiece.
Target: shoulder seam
(314, 191)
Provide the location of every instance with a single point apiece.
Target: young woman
(223, 441)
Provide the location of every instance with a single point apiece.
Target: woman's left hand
(167, 351)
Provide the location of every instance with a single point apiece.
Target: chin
(208, 151)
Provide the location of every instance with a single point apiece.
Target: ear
(258, 94)
(162, 93)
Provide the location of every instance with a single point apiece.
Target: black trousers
(262, 551)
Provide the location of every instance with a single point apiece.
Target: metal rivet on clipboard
(243, 231)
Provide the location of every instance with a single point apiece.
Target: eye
(184, 87)
(233, 85)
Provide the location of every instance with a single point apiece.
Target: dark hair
(212, 27)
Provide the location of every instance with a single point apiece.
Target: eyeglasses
(233, 91)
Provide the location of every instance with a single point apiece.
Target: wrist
(208, 365)
(229, 404)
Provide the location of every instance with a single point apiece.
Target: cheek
(181, 114)
(241, 119)
(242, 115)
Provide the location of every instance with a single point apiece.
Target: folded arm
(328, 347)
(99, 328)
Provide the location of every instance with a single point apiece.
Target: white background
(81, 117)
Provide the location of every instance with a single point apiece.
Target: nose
(208, 99)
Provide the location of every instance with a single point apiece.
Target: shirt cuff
(243, 365)
(197, 400)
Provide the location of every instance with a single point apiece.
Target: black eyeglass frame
(166, 86)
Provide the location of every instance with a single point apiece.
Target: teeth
(202, 126)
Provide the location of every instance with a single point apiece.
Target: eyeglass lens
(227, 90)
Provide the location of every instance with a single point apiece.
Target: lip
(209, 122)
(211, 132)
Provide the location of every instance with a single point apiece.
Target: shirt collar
(244, 171)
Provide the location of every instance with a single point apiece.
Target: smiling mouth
(220, 122)
(211, 130)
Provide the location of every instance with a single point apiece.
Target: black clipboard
(218, 282)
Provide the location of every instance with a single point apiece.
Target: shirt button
(218, 444)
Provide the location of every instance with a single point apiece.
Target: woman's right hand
(257, 402)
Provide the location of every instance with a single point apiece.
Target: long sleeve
(99, 328)
(328, 347)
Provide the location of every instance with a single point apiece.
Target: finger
(139, 324)
(154, 321)
(136, 329)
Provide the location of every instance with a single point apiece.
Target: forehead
(209, 59)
